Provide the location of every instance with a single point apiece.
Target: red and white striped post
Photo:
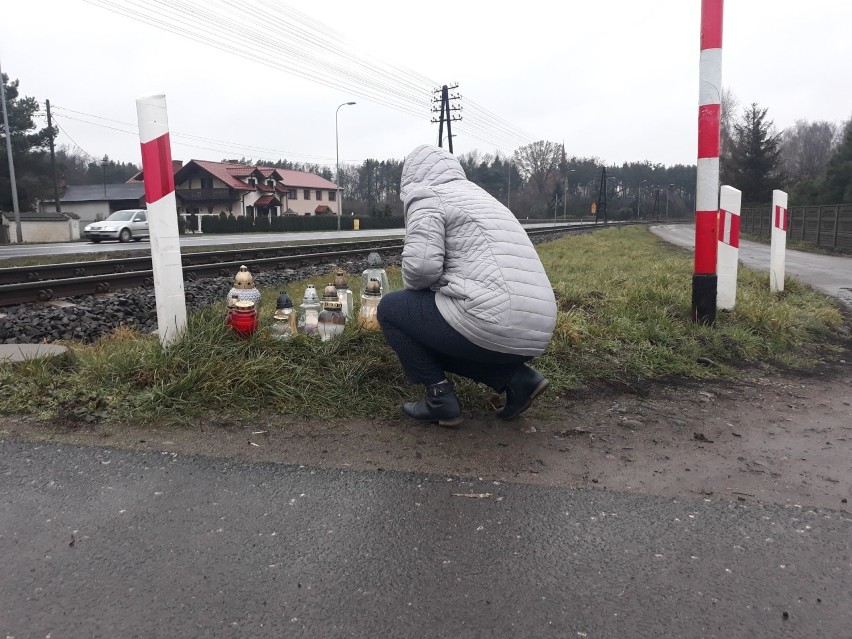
(162, 217)
(778, 241)
(730, 200)
(704, 279)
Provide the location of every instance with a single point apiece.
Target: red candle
(242, 318)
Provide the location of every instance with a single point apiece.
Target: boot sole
(446, 423)
(542, 386)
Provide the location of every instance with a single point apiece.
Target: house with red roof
(211, 188)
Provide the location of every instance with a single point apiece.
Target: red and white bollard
(729, 246)
(162, 217)
(704, 279)
(778, 243)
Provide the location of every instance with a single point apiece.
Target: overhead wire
(490, 131)
(61, 128)
(226, 148)
(224, 144)
(253, 56)
(384, 84)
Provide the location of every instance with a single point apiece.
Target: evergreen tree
(837, 187)
(755, 156)
(28, 151)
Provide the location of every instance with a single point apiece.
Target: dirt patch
(776, 438)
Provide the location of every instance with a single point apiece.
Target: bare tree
(538, 164)
(806, 148)
(730, 105)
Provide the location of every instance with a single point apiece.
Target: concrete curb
(23, 352)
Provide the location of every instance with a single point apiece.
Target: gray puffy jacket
(462, 243)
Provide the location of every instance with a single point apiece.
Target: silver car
(126, 225)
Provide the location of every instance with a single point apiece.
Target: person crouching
(476, 301)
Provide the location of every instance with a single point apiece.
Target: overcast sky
(617, 80)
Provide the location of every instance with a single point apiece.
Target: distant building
(95, 202)
(39, 227)
(211, 188)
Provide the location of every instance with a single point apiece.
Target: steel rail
(126, 273)
(44, 272)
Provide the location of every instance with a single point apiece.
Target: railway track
(29, 284)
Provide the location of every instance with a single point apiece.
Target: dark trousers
(428, 347)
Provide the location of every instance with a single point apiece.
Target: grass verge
(624, 317)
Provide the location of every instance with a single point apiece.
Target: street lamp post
(337, 164)
(605, 199)
(565, 193)
(639, 200)
(668, 188)
(104, 162)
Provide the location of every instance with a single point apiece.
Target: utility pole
(18, 233)
(446, 110)
(104, 162)
(53, 159)
(668, 188)
(602, 197)
(564, 190)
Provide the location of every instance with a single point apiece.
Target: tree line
(812, 160)
(30, 152)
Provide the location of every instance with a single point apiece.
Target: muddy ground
(784, 438)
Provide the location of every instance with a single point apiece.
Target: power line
(383, 84)
(177, 134)
(86, 153)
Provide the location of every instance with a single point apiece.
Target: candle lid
(340, 279)
(284, 301)
(243, 279)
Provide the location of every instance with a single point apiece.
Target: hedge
(294, 223)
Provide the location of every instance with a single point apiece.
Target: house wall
(45, 232)
(88, 211)
(194, 182)
(74, 229)
(307, 207)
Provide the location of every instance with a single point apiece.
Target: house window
(319, 196)
(307, 194)
(291, 194)
(206, 183)
(332, 196)
(252, 181)
(249, 211)
(270, 182)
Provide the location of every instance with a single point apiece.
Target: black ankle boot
(525, 385)
(440, 405)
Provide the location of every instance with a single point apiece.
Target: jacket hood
(428, 165)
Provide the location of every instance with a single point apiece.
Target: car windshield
(120, 216)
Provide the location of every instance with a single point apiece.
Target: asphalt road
(99, 542)
(827, 273)
(8, 251)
